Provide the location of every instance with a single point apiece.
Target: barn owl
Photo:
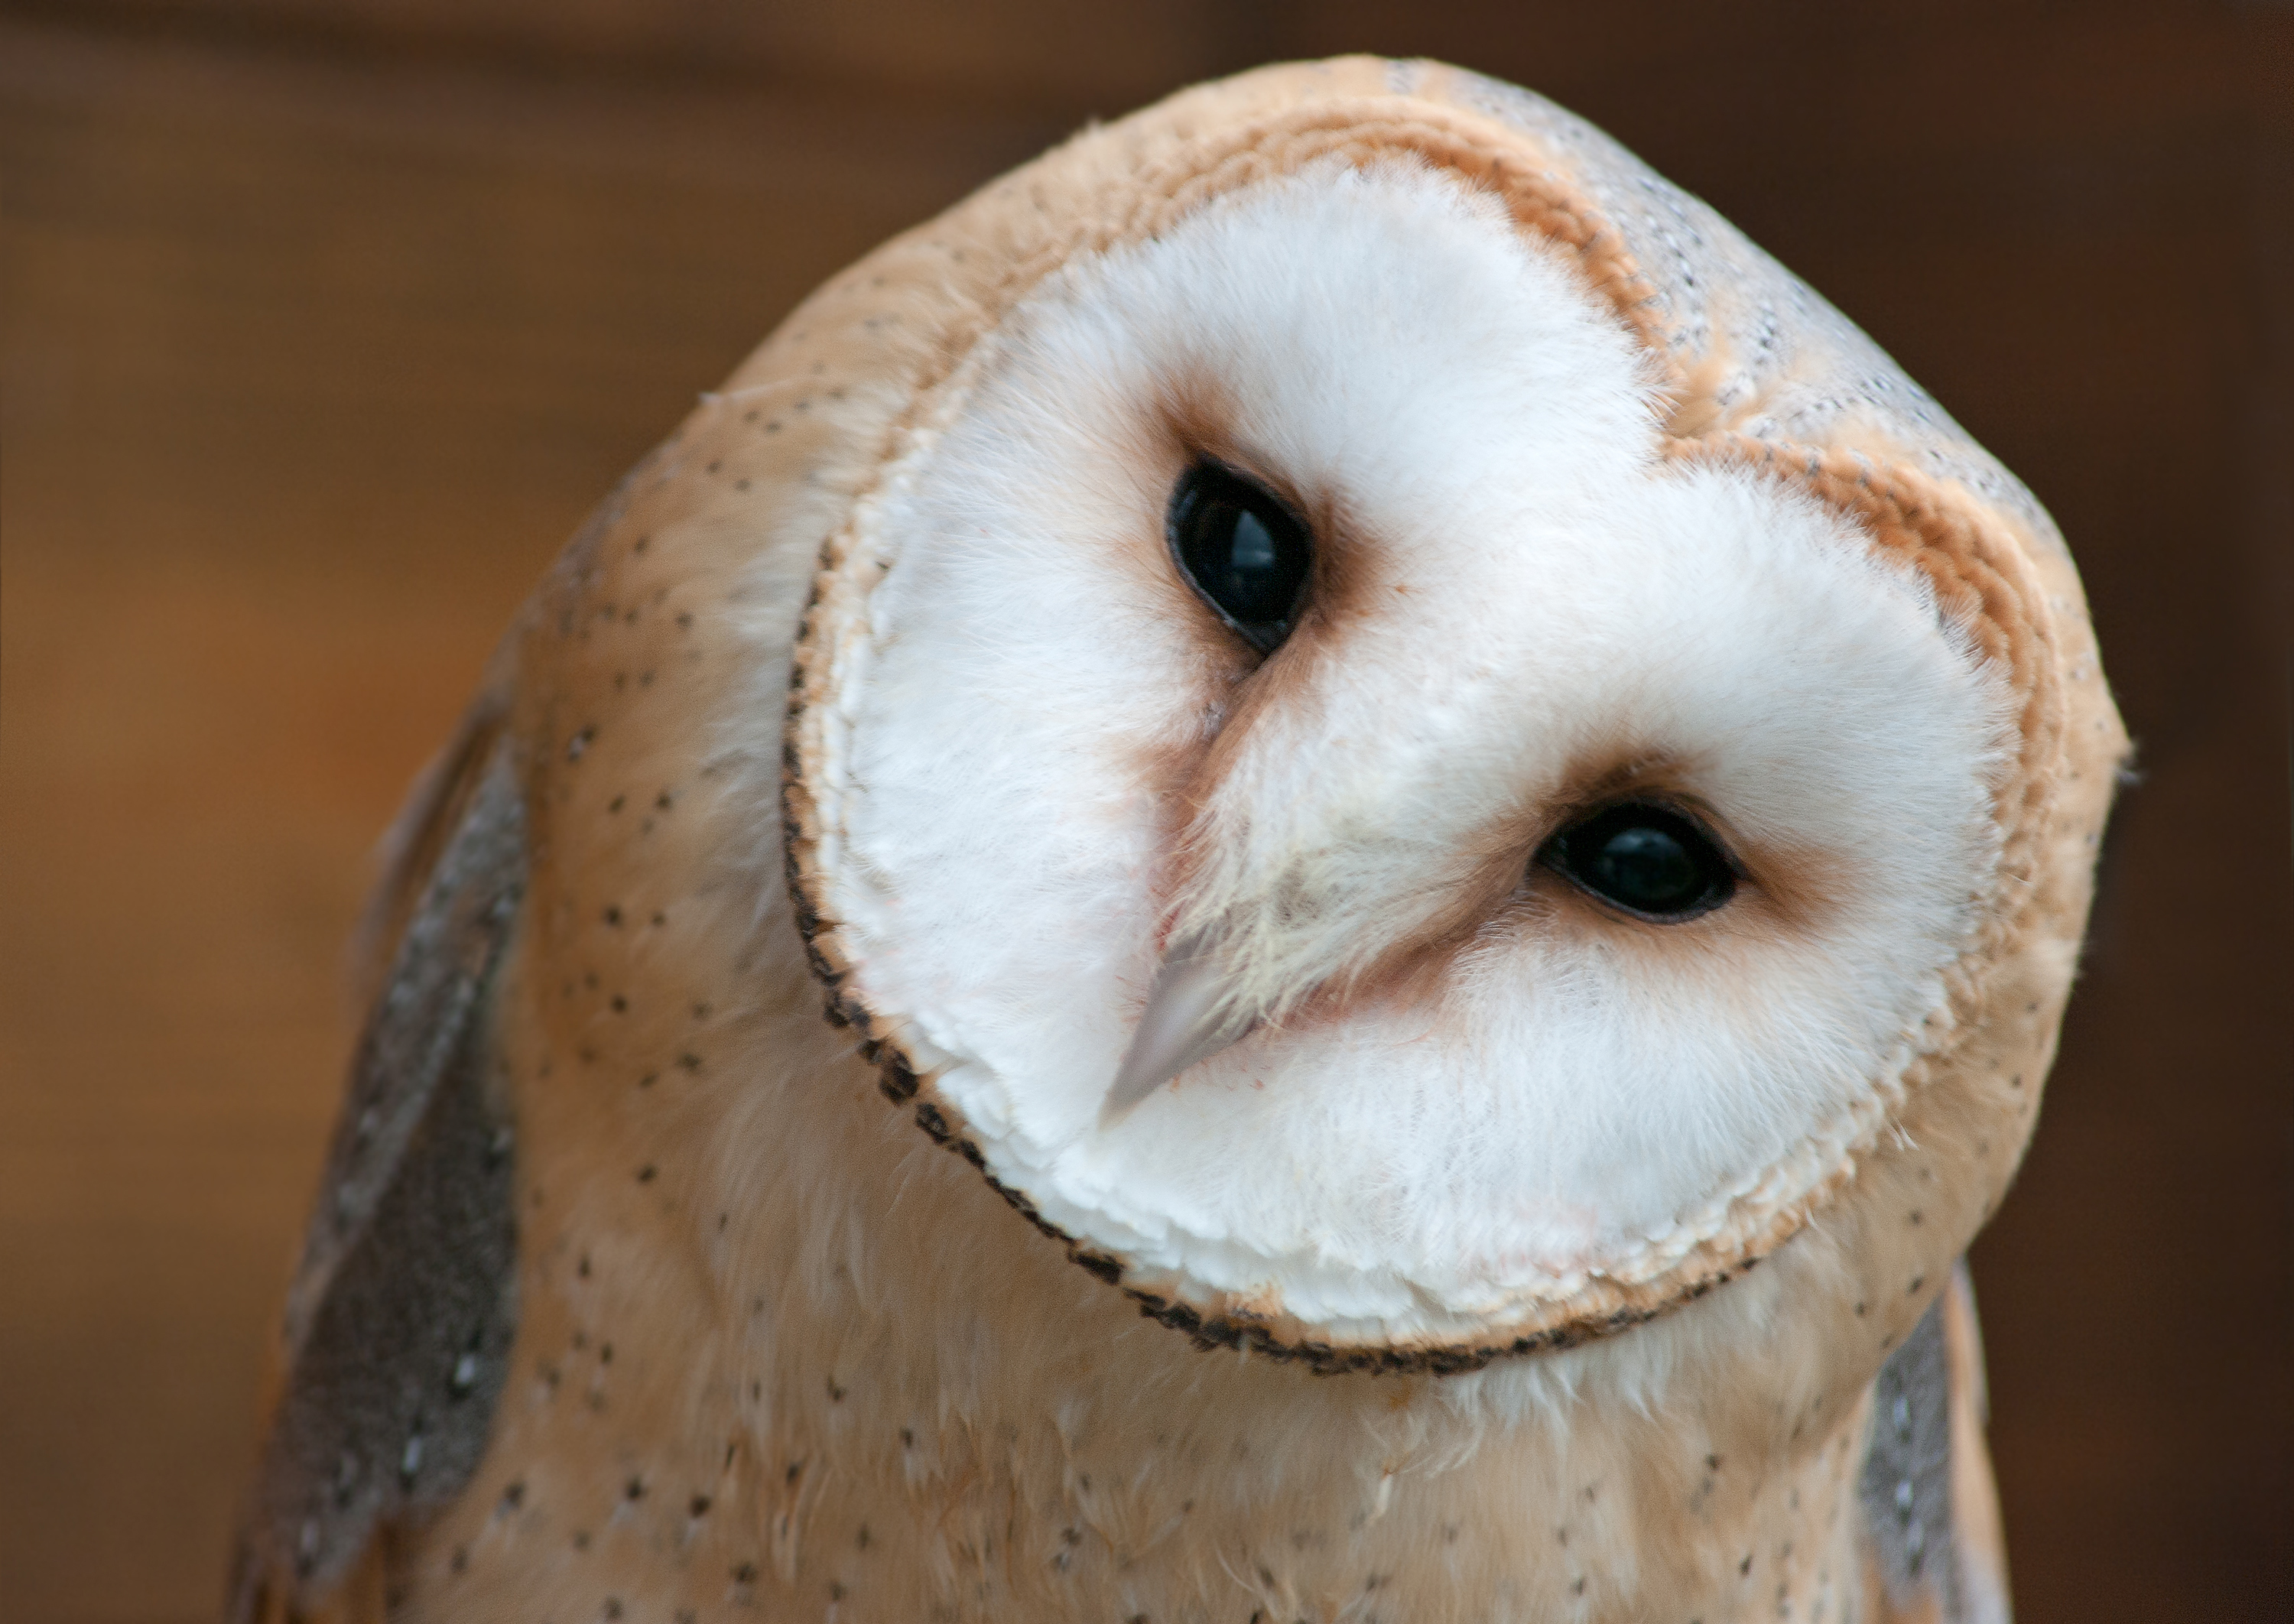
(1445, 827)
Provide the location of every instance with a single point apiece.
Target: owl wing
(400, 1317)
(1933, 1545)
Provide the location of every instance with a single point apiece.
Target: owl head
(1407, 743)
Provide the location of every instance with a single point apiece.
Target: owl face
(1351, 830)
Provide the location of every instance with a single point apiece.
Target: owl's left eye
(1243, 549)
(1646, 859)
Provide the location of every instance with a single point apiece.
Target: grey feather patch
(400, 1319)
(1905, 1489)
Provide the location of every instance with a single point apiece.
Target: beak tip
(1185, 1021)
(1137, 1077)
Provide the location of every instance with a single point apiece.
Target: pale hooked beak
(1187, 1020)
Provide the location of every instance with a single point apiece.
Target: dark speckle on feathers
(400, 1315)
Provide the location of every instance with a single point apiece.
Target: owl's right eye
(1242, 548)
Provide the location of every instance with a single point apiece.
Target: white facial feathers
(1468, 1084)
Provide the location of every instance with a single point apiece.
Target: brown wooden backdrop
(325, 319)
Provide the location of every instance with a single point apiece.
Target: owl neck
(950, 1412)
(778, 1347)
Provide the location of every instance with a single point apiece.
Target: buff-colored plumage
(767, 1350)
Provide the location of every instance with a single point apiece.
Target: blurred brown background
(325, 319)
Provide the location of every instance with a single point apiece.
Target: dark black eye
(1241, 549)
(1644, 859)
